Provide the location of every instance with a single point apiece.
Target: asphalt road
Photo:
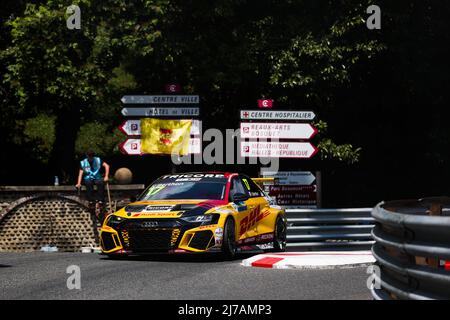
(42, 275)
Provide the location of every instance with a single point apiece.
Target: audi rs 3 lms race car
(194, 213)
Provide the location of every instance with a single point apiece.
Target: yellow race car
(196, 212)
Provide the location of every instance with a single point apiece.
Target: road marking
(309, 260)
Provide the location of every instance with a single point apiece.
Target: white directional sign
(277, 115)
(290, 177)
(133, 146)
(277, 149)
(133, 127)
(161, 112)
(160, 99)
(271, 130)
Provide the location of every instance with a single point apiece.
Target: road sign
(277, 149)
(161, 112)
(133, 127)
(294, 196)
(161, 99)
(265, 103)
(172, 88)
(272, 130)
(290, 177)
(133, 146)
(277, 115)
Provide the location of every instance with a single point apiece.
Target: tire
(229, 240)
(280, 239)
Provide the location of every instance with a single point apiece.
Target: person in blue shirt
(90, 172)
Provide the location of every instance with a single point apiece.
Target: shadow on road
(5, 266)
(193, 258)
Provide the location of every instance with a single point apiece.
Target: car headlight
(113, 221)
(204, 218)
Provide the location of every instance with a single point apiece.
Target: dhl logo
(252, 218)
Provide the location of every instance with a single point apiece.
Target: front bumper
(168, 236)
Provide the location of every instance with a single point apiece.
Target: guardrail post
(435, 210)
(319, 188)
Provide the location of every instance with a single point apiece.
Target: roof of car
(225, 174)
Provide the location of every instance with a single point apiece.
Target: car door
(258, 207)
(242, 210)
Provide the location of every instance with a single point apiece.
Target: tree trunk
(64, 159)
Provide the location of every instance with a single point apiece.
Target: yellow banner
(165, 136)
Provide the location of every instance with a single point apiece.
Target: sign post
(295, 189)
(173, 106)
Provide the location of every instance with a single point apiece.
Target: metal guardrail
(412, 244)
(313, 229)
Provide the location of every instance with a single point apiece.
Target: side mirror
(239, 197)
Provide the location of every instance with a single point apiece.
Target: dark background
(394, 106)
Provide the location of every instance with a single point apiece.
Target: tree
(65, 72)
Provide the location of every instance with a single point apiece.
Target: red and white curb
(310, 260)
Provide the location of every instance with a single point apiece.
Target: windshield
(185, 188)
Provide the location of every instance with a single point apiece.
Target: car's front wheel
(229, 239)
(280, 238)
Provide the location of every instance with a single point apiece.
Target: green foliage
(38, 136)
(47, 60)
(74, 75)
(345, 152)
(98, 138)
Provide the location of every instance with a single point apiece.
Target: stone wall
(32, 217)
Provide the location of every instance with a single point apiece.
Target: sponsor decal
(267, 236)
(218, 235)
(155, 189)
(239, 207)
(259, 238)
(157, 214)
(194, 175)
(151, 208)
(207, 227)
(246, 183)
(251, 219)
(223, 211)
(250, 240)
(265, 246)
(188, 179)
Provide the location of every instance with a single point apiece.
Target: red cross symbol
(245, 114)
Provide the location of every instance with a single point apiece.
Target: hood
(168, 208)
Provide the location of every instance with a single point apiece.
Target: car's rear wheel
(229, 239)
(280, 238)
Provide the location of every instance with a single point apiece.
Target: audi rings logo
(150, 224)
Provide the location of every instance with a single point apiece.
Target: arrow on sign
(131, 147)
(131, 127)
(161, 99)
(161, 112)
